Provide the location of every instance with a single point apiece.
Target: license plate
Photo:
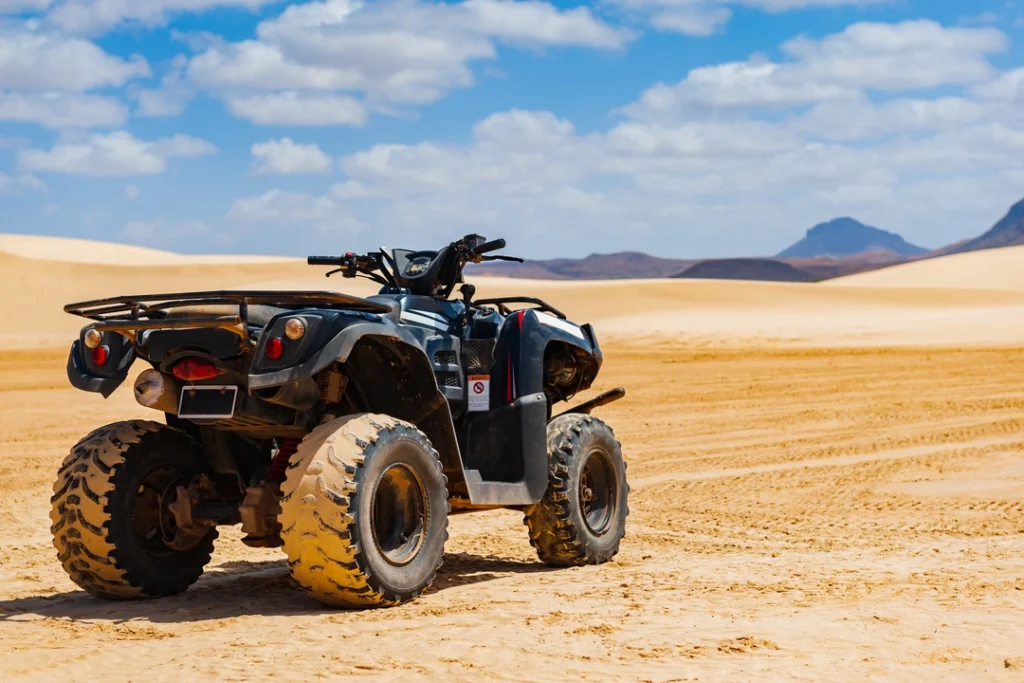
(208, 402)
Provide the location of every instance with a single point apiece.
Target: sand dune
(854, 311)
(828, 513)
(72, 250)
(990, 269)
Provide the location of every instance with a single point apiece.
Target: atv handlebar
(493, 245)
(326, 260)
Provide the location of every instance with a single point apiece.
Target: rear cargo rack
(150, 311)
(503, 304)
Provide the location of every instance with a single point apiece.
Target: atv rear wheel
(582, 517)
(112, 528)
(364, 512)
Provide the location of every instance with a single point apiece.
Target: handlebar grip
(325, 261)
(493, 245)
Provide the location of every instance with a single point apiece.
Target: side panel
(505, 450)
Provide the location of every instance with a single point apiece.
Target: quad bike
(344, 429)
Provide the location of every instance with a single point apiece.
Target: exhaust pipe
(154, 389)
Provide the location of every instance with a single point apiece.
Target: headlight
(294, 328)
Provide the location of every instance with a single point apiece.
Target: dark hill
(617, 266)
(1008, 232)
(848, 237)
(746, 269)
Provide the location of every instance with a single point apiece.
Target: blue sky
(678, 127)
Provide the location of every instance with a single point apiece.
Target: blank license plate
(208, 403)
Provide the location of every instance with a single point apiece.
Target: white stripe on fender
(430, 314)
(565, 326)
(416, 319)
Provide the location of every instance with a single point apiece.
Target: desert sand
(827, 485)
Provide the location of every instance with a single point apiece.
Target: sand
(827, 485)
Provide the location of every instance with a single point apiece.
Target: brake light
(274, 348)
(192, 369)
(100, 355)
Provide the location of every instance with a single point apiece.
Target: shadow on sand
(235, 589)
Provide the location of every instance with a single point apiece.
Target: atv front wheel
(364, 512)
(112, 528)
(582, 517)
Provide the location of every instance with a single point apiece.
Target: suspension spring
(279, 465)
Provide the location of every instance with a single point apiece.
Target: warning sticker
(479, 392)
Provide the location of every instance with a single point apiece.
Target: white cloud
(299, 109)
(98, 16)
(705, 17)
(692, 21)
(866, 56)
(116, 154)
(287, 157)
(62, 110)
(1007, 87)
(293, 209)
(392, 52)
(173, 95)
(132, 191)
(15, 6)
(17, 184)
(34, 61)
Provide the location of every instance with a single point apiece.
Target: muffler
(154, 389)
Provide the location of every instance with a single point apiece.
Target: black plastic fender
(310, 359)
(85, 375)
(519, 354)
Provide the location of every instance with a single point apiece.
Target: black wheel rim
(399, 517)
(598, 489)
(152, 520)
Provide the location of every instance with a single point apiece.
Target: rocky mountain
(844, 237)
(1007, 232)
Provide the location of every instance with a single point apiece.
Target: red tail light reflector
(100, 355)
(274, 348)
(192, 369)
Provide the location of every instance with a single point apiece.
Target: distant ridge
(844, 237)
(768, 270)
(1008, 232)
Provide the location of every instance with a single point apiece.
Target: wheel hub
(399, 514)
(598, 492)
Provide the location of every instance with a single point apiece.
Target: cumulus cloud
(287, 157)
(99, 16)
(705, 17)
(60, 110)
(866, 56)
(299, 109)
(391, 52)
(17, 184)
(295, 210)
(16, 6)
(171, 97)
(37, 61)
(116, 154)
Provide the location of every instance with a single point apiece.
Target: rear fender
(389, 373)
(84, 374)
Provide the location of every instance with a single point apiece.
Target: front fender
(337, 348)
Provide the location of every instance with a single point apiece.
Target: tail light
(192, 369)
(274, 348)
(99, 355)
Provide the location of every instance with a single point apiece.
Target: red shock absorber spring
(279, 465)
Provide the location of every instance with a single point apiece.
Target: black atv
(345, 429)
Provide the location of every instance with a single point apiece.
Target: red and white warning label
(479, 392)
